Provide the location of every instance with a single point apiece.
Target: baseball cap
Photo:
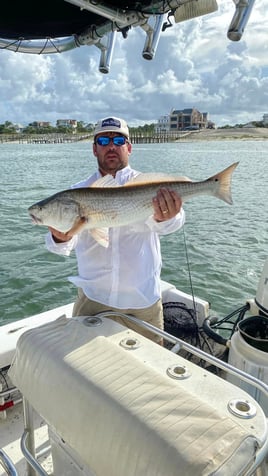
(112, 124)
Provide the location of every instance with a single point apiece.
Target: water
(225, 245)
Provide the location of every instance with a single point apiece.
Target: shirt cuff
(167, 226)
(63, 248)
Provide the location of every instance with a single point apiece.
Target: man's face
(111, 157)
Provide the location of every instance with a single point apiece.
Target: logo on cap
(111, 122)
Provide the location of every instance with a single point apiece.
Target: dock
(45, 138)
(135, 138)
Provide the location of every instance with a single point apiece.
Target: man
(124, 277)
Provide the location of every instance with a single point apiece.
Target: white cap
(112, 124)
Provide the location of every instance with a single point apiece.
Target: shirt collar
(120, 173)
(123, 172)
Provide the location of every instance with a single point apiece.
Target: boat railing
(7, 464)
(180, 344)
(28, 443)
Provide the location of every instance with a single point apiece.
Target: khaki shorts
(84, 306)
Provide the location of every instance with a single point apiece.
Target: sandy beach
(243, 133)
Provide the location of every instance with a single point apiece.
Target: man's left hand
(166, 204)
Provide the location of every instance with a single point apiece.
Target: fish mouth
(35, 219)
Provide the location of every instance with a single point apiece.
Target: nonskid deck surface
(11, 430)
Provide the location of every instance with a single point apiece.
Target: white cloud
(195, 66)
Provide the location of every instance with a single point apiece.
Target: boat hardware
(130, 343)
(193, 350)
(103, 20)
(193, 9)
(7, 464)
(241, 16)
(153, 36)
(178, 372)
(28, 443)
(242, 408)
(106, 52)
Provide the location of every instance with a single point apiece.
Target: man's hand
(77, 227)
(166, 204)
(58, 236)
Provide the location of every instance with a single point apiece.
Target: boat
(87, 396)
(64, 25)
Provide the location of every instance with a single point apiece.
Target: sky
(195, 66)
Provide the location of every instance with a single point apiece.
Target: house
(187, 118)
(40, 124)
(163, 124)
(68, 123)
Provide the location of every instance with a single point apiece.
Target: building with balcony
(163, 124)
(187, 119)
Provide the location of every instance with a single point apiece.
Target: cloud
(195, 66)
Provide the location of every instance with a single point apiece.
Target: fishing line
(198, 340)
(189, 272)
(182, 320)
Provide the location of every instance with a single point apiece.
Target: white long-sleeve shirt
(127, 273)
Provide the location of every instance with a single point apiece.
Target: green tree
(7, 128)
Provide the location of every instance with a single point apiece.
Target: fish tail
(223, 180)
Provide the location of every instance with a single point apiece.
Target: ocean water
(219, 254)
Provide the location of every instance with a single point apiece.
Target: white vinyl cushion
(122, 416)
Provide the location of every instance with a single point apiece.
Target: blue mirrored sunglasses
(105, 140)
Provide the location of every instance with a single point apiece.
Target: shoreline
(243, 133)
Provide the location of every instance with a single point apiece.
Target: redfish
(106, 204)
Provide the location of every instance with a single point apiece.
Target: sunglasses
(105, 140)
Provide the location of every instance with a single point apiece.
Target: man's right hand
(77, 227)
(59, 236)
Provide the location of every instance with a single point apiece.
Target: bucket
(248, 352)
(254, 331)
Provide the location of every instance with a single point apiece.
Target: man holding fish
(113, 220)
(119, 267)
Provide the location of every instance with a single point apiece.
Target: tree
(81, 126)
(146, 129)
(7, 128)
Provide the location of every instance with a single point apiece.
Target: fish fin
(140, 179)
(106, 181)
(78, 226)
(223, 191)
(155, 177)
(101, 235)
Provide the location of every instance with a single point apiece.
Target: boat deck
(11, 430)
